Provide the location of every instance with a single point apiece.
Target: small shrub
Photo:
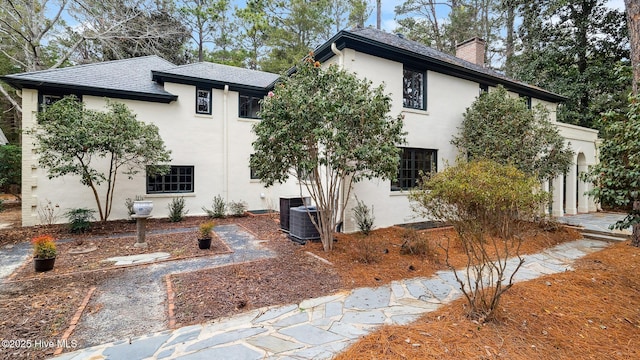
(237, 208)
(129, 204)
(80, 220)
(1, 205)
(44, 247)
(218, 208)
(366, 251)
(363, 216)
(205, 229)
(49, 213)
(415, 244)
(177, 209)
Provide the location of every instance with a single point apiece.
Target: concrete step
(604, 236)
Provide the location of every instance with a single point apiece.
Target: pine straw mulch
(295, 275)
(590, 313)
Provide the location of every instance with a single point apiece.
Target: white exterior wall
(221, 163)
(447, 98)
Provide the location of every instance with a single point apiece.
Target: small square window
(203, 101)
(46, 99)
(413, 89)
(249, 106)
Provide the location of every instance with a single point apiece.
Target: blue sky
(388, 7)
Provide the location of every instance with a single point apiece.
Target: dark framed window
(203, 101)
(413, 89)
(484, 88)
(527, 100)
(252, 171)
(50, 98)
(178, 180)
(249, 106)
(413, 161)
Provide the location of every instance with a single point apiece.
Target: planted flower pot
(204, 244)
(143, 207)
(41, 265)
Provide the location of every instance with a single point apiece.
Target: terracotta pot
(204, 243)
(41, 265)
(143, 207)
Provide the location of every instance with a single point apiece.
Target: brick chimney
(471, 50)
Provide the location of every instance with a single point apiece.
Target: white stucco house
(205, 112)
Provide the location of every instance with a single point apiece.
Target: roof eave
(345, 39)
(88, 90)
(162, 77)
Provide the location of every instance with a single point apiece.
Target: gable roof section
(216, 76)
(393, 47)
(123, 79)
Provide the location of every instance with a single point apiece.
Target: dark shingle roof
(129, 78)
(397, 48)
(217, 75)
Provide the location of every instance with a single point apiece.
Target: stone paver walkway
(320, 328)
(598, 221)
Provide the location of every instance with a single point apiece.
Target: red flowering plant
(44, 247)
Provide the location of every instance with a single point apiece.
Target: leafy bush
(486, 204)
(218, 208)
(44, 247)
(10, 166)
(1, 205)
(237, 208)
(363, 216)
(177, 209)
(80, 220)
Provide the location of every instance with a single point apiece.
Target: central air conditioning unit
(301, 227)
(287, 202)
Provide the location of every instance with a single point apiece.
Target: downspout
(339, 54)
(225, 142)
(343, 202)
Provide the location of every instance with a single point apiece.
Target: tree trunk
(509, 43)
(633, 23)
(635, 236)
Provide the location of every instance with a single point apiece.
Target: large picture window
(413, 83)
(178, 180)
(249, 106)
(203, 101)
(412, 162)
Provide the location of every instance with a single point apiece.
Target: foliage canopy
(503, 129)
(97, 146)
(327, 128)
(485, 202)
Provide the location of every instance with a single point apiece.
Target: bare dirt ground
(592, 312)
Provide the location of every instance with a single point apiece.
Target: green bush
(10, 166)
(177, 210)
(80, 220)
(488, 205)
(218, 208)
(363, 216)
(237, 208)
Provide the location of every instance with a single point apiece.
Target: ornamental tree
(616, 178)
(97, 146)
(501, 128)
(486, 203)
(328, 129)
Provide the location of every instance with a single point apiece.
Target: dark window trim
(484, 88)
(164, 182)
(250, 96)
(43, 93)
(208, 112)
(527, 100)
(424, 87)
(396, 186)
